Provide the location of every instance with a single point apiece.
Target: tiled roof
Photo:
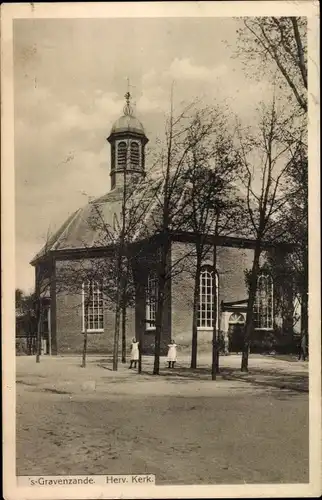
(81, 229)
(97, 223)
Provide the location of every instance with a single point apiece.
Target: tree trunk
(124, 329)
(83, 365)
(196, 298)
(158, 328)
(215, 354)
(87, 299)
(120, 277)
(250, 307)
(138, 295)
(140, 355)
(39, 326)
(29, 344)
(304, 298)
(49, 333)
(304, 313)
(116, 335)
(118, 309)
(160, 307)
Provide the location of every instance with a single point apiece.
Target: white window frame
(208, 304)
(270, 320)
(99, 311)
(150, 305)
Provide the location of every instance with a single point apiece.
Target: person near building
(172, 353)
(134, 353)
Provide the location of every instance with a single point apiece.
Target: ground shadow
(108, 359)
(281, 380)
(256, 376)
(55, 391)
(105, 367)
(262, 377)
(23, 382)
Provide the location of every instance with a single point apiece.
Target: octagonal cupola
(127, 140)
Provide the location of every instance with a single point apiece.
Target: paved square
(180, 426)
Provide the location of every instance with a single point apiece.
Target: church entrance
(236, 332)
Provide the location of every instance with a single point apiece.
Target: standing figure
(134, 353)
(303, 348)
(172, 353)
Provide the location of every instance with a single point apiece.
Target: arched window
(205, 309)
(135, 154)
(263, 308)
(121, 153)
(236, 319)
(92, 302)
(151, 300)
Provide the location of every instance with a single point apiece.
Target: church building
(66, 317)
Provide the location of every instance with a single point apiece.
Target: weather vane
(128, 110)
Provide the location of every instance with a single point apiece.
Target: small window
(263, 308)
(92, 302)
(151, 301)
(121, 153)
(135, 154)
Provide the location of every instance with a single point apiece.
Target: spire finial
(128, 110)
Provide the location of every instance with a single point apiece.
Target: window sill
(205, 328)
(150, 329)
(264, 329)
(101, 330)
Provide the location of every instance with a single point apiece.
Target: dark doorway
(236, 337)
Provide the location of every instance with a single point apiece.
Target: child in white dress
(172, 353)
(134, 353)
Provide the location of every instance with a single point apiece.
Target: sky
(70, 77)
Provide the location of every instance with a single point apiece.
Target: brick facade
(66, 304)
(81, 233)
(67, 323)
(231, 263)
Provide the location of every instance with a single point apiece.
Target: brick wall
(231, 263)
(69, 322)
(148, 263)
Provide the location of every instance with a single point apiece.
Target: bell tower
(128, 141)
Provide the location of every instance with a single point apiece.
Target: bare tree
(120, 283)
(229, 209)
(111, 269)
(173, 198)
(212, 168)
(267, 158)
(283, 42)
(294, 226)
